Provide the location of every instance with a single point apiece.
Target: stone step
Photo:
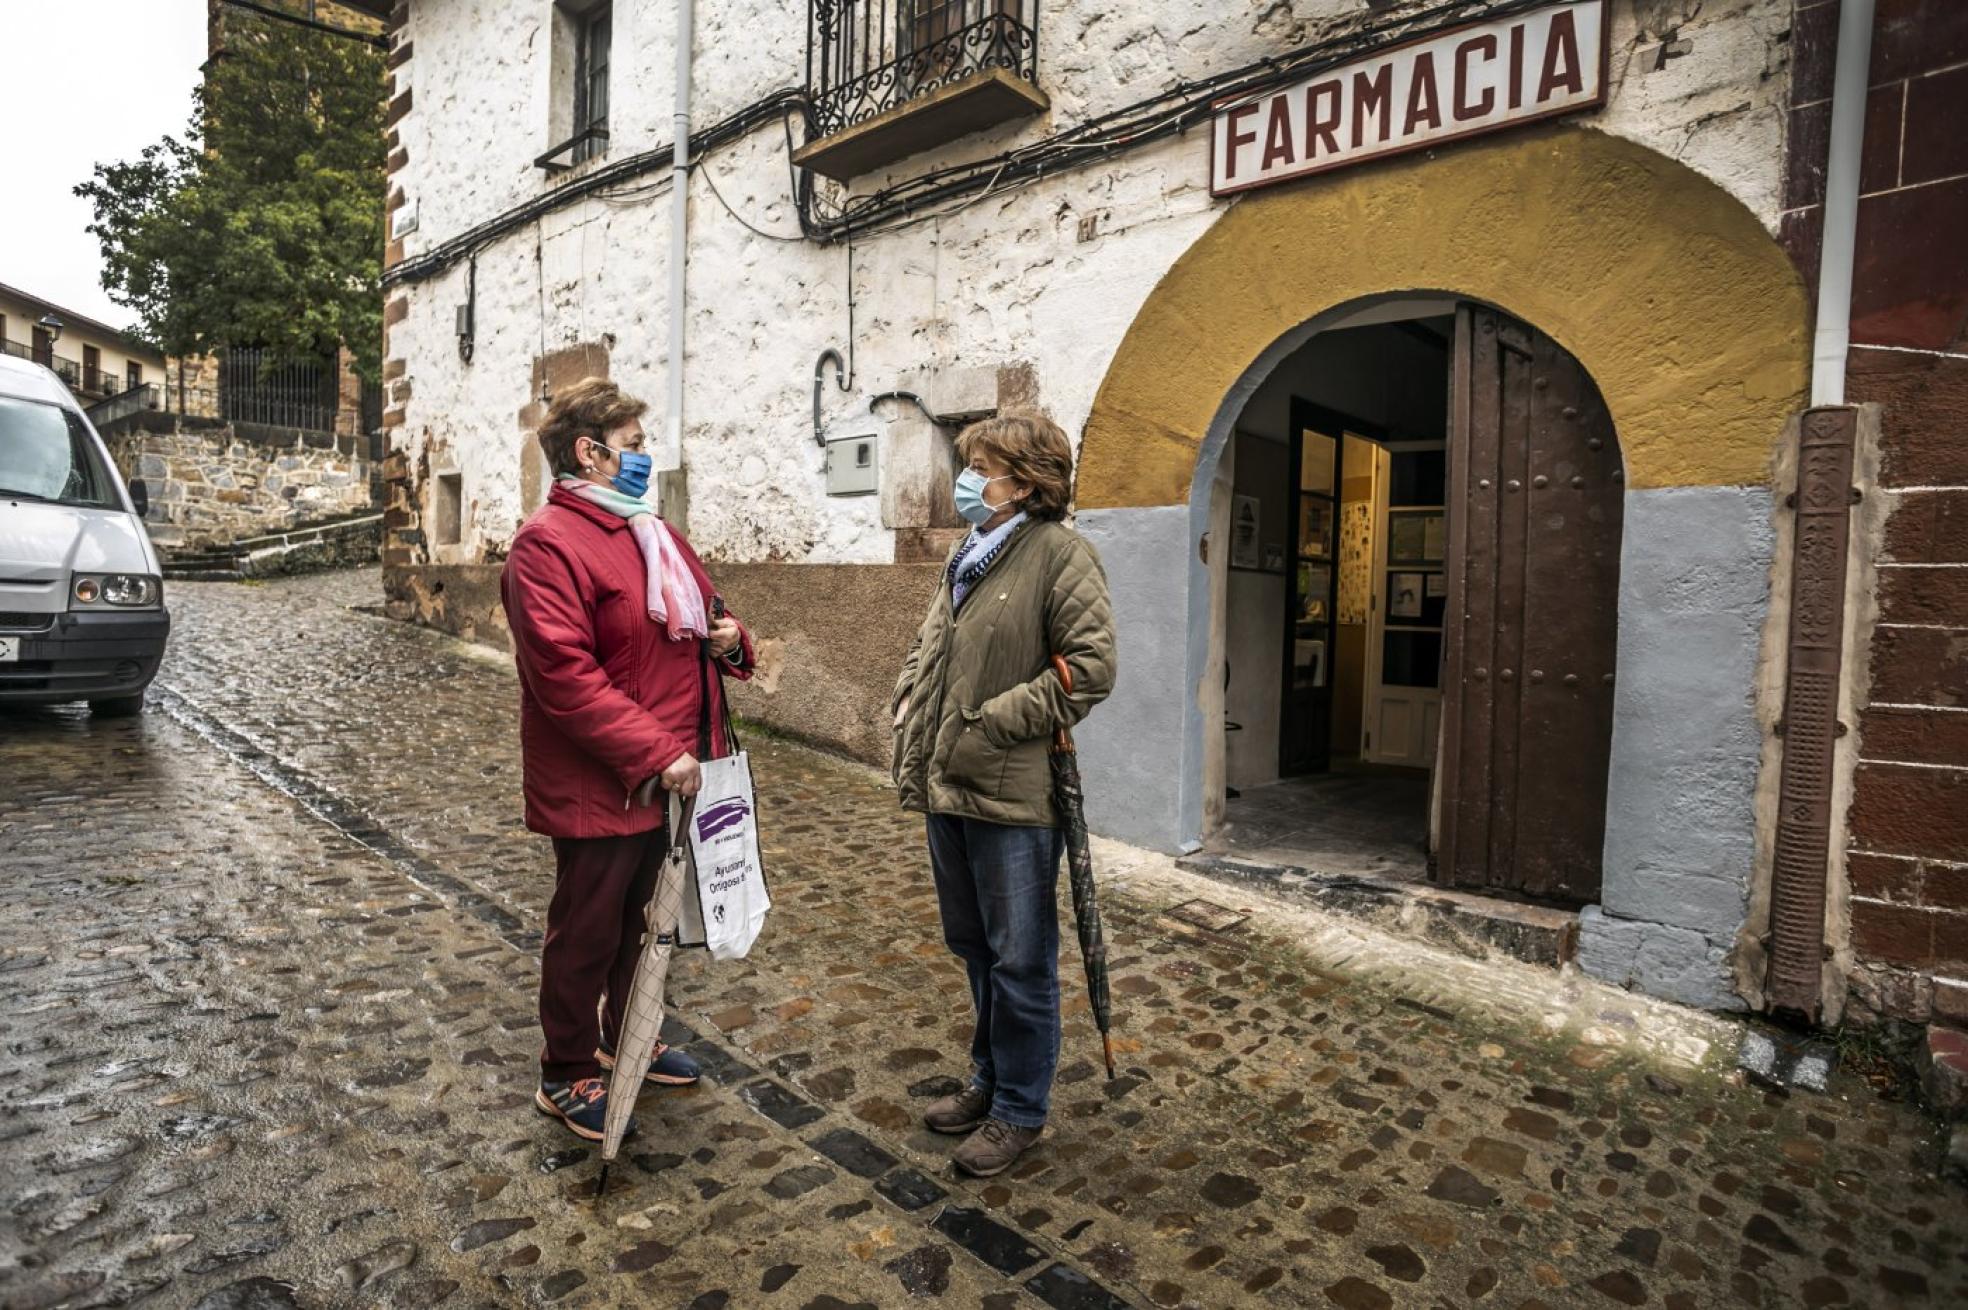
(1475, 925)
(203, 575)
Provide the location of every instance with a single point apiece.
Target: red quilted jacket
(606, 700)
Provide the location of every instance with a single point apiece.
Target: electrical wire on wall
(952, 189)
(710, 181)
(540, 275)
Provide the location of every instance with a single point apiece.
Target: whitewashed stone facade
(1007, 281)
(1015, 294)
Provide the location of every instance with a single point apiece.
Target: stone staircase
(335, 543)
(213, 565)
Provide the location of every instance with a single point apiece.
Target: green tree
(263, 224)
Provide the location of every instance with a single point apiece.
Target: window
(92, 358)
(449, 512)
(133, 375)
(46, 454)
(44, 348)
(583, 33)
(931, 21)
(591, 84)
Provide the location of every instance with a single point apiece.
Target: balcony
(892, 78)
(82, 379)
(256, 401)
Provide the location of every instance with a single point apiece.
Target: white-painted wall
(1005, 281)
(18, 315)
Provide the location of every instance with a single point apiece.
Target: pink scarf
(675, 600)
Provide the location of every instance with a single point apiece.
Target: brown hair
(589, 408)
(1033, 450)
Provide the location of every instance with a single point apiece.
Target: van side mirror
(140, 497)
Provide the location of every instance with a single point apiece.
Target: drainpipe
(1814, 654)
(1841, 204)
(679, 233)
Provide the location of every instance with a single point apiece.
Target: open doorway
(1420, 607)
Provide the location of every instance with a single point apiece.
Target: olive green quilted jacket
(983, 700)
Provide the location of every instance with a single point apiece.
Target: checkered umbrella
(642, 1017)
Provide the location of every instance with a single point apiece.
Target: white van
(82, 613)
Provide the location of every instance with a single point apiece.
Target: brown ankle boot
(959, 1113)
(992, 1148)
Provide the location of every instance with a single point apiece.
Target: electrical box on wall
(851, 469)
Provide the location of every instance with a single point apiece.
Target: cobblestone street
(267, 969)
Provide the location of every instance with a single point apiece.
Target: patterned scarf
(675, 600)
(976, 555)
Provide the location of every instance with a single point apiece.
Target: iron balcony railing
(269, 408)
(84, 379)
(866, 57)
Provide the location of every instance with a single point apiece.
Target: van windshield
(46, 454)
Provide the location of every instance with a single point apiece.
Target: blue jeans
(997, 887)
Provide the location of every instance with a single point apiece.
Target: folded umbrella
(642, 1017)
(1071, 803)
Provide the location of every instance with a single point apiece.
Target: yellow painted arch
(1686, 312)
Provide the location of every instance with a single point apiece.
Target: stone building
(1442, 378)
(248, 451)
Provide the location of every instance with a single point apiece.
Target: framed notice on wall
(1245, 520)
(1404, 592)
(1416, 536)
(1355, 560)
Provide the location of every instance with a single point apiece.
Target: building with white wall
(95, 360)
(1542, 269)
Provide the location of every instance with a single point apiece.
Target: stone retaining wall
(212, 484)
(830, 638)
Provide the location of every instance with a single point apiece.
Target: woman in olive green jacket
(975, 709)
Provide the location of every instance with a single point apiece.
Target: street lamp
(52, 326)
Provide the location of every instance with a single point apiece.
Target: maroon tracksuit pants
(594, 933)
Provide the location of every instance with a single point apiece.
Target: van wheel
(117, 707)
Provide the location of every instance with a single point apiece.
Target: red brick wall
(1908, 853)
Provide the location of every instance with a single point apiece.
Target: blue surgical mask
(633, 480)
(970, 497)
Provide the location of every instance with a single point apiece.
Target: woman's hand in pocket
(901, 713)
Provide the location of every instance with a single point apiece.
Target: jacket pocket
(1028, 775)
(975, 765)
(898, 748)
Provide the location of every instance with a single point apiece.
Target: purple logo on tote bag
(723, 815)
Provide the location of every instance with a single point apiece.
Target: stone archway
(1674, 297)
(1694, 324)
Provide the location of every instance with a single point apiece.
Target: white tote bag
(731, 897)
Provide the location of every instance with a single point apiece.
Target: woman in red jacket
(620, 663)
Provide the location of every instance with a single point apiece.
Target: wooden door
(1534, 538)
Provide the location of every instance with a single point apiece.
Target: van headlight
(117, 590)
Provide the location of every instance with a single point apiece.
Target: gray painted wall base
(1142, 785)
(1675, 964)
(1681, 792)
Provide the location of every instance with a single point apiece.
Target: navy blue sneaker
(582, 1105)
(668, 1067)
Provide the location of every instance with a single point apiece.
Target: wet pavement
(267, 1038)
